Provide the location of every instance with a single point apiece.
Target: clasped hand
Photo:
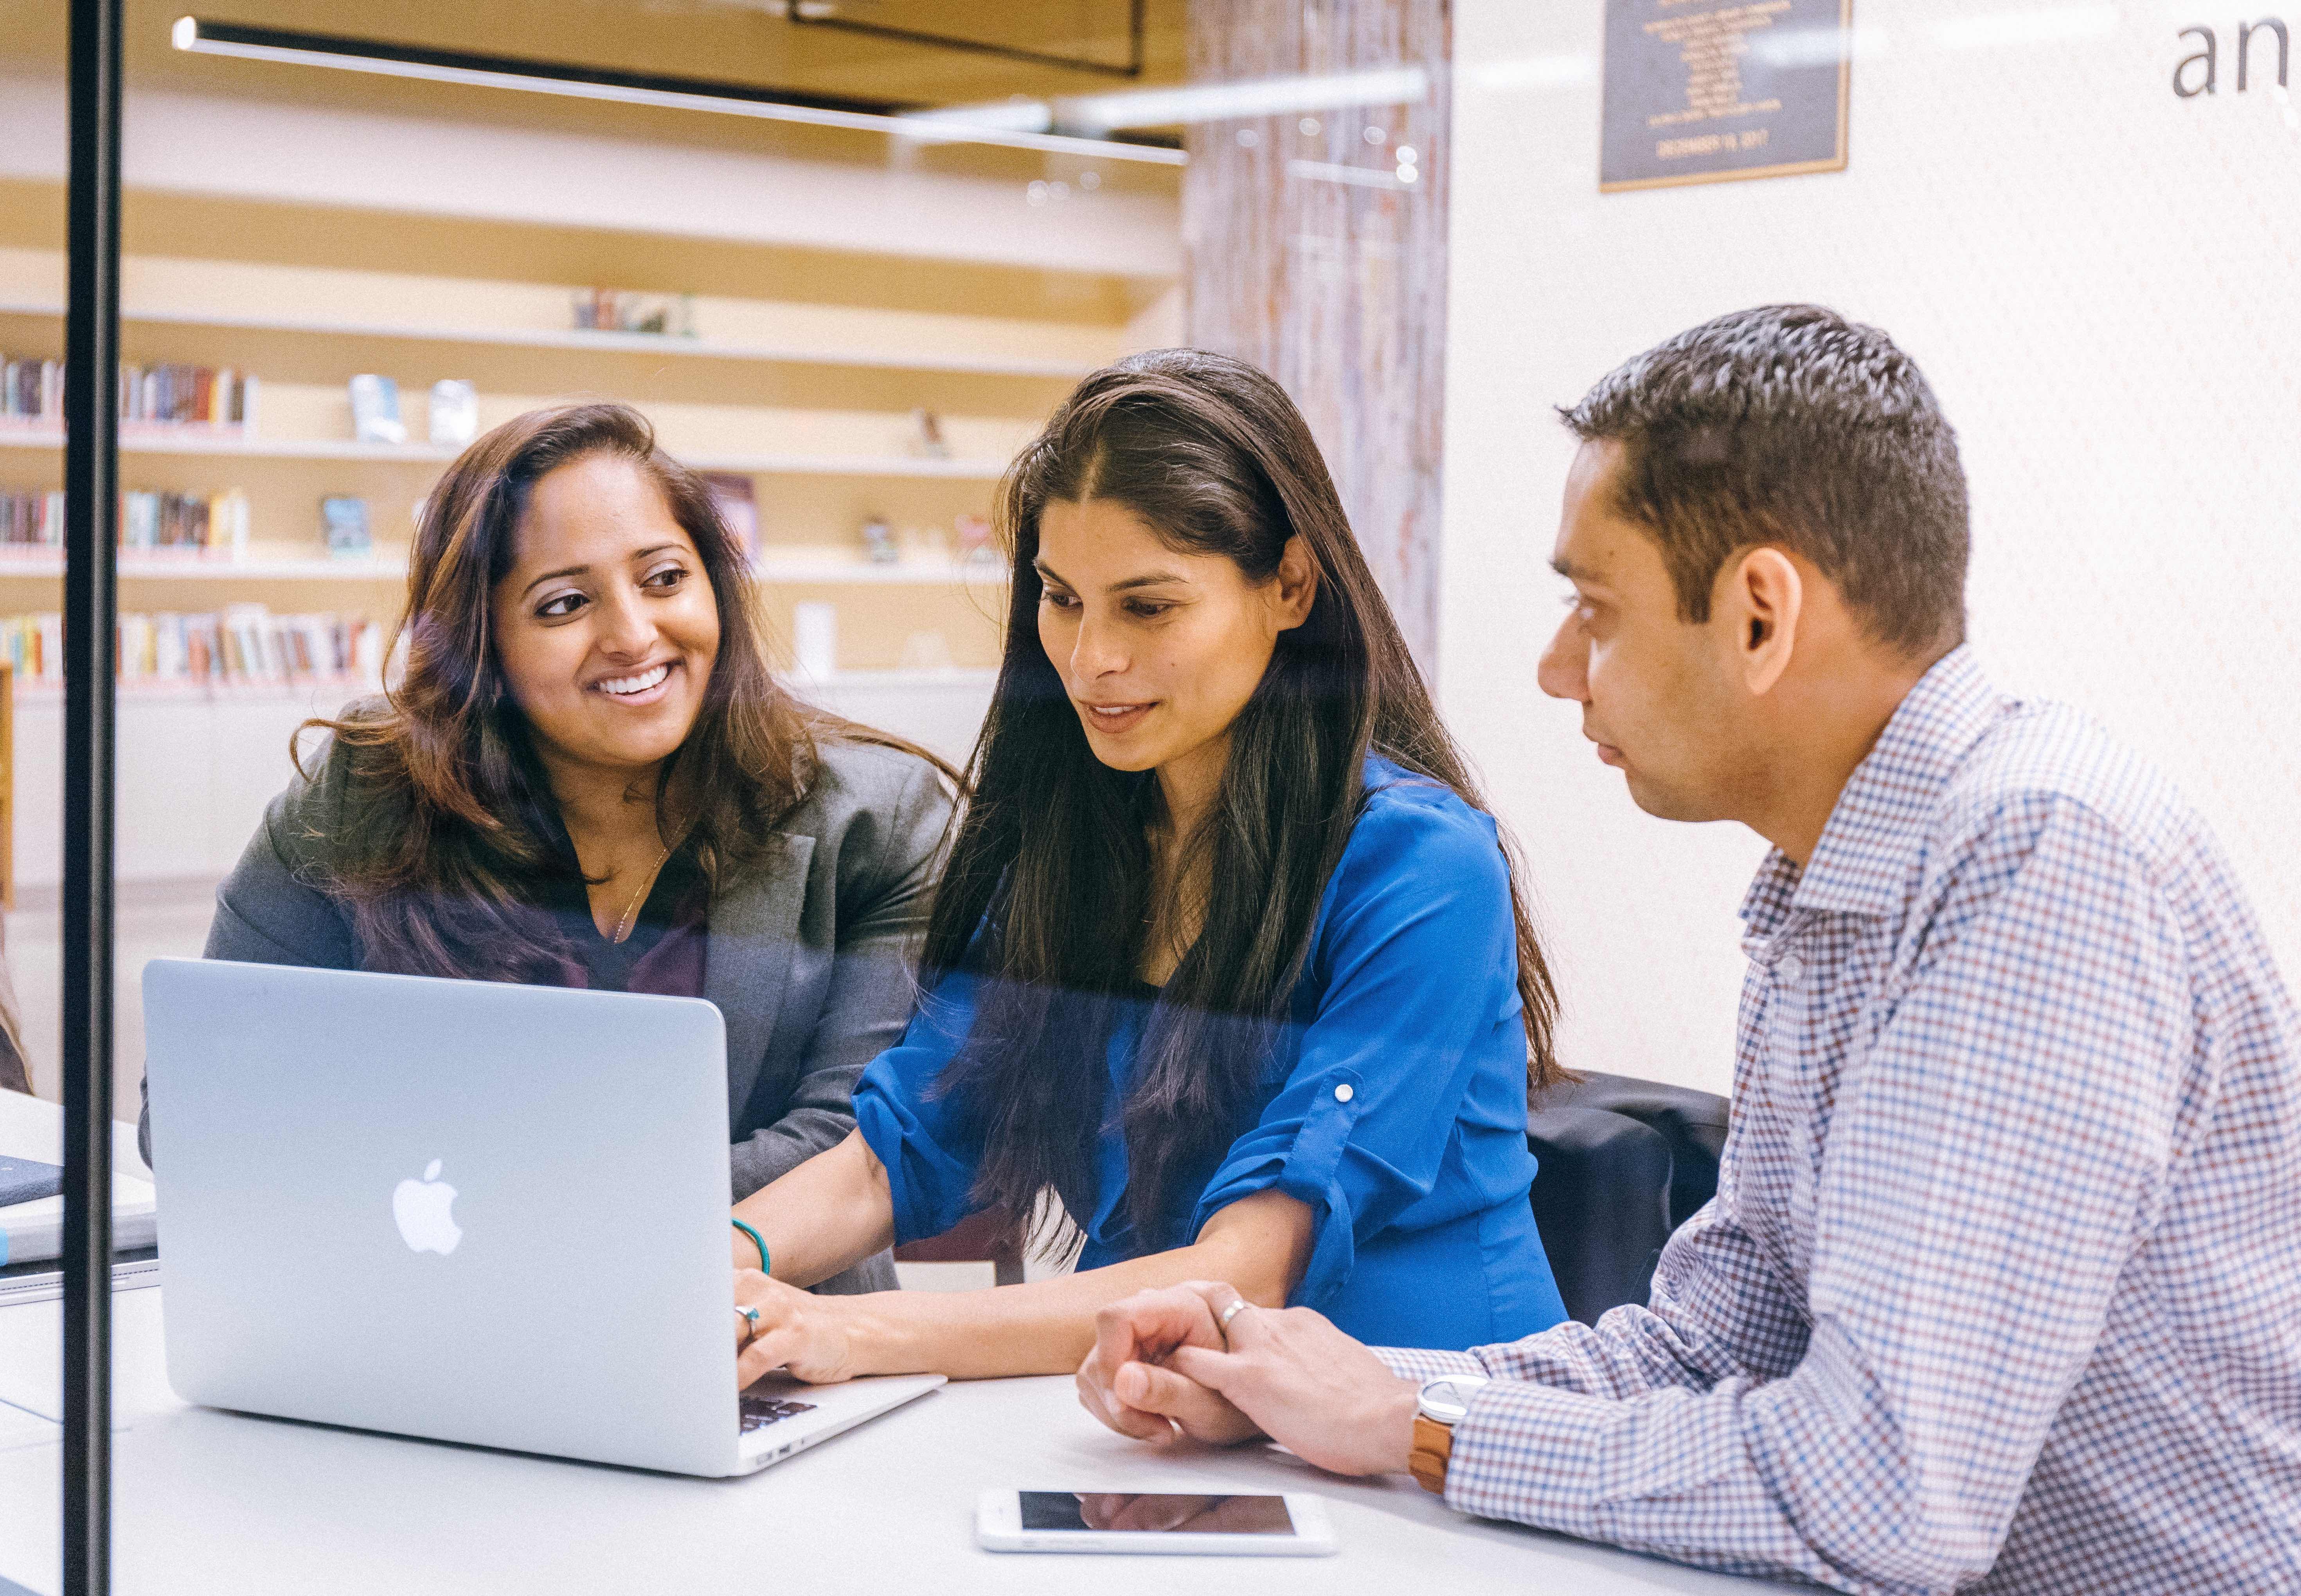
(1163, 1370)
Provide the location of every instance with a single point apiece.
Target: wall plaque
(1703, 91)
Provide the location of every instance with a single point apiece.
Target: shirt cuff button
(1343, 1093)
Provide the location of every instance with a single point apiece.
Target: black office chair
(1623, 1163)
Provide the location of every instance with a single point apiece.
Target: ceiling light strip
(199, 37)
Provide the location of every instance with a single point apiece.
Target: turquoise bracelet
(764, 1268)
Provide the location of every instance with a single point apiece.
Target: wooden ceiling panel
(742, 40)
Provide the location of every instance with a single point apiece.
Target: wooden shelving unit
(184, 290)
(803, 373)
(810, 393)
(134, 567)
(808, 566)
(191, 441)
(307, 691)
(814, 567)
(671, 346)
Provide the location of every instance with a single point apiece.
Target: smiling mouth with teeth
(624, 686)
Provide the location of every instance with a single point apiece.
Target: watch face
(1447, 1399)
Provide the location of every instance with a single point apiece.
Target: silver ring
(750, 1315)
(1223, 1319)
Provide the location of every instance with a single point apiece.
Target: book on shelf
(32, 519)
(212, 525)
(34, 645)
(375, 409)
(31, 389)
(166, 396)
(177, 394)
(612, 310)
(240, 645)
(455, 411)
(926, 440)
(343, 518)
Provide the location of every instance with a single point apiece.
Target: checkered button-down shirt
(2003, 1280)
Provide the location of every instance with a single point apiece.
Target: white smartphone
(1108, 1521)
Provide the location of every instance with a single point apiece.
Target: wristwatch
(1441, 1407)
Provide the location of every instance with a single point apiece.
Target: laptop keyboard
(759, 1412)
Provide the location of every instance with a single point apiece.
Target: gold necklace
(624, 925)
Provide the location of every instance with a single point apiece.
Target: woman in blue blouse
(1227, 961)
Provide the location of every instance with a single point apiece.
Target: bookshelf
(598, 342)
(190, 442)
(25, 565)
(813, 566)
(264, 297)
(803, 371)
(807, 385)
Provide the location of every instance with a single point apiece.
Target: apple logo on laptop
(424, 1212)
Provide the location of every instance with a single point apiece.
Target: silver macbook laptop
(459, 1210)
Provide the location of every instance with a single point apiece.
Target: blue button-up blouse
(1395, 1105)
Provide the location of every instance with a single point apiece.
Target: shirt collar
(1878, 820)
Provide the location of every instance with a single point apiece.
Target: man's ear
(1298, 583)
(1764, 597)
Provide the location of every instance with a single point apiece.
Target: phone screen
(1128, 1512)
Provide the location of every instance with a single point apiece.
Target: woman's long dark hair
(1052, 859)
(449, 817)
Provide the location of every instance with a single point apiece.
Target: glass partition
(839, 262)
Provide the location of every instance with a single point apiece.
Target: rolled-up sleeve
(1989, 1171)
(1418, 961)
(928, 1143)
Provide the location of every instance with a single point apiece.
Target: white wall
(2103, 284)
(192, 775)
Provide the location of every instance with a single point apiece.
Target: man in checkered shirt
(2001, 1289)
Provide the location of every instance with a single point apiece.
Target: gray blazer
(808, 955)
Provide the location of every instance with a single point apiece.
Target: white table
(204, 1500)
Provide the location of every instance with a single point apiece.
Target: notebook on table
(25, 1180)
(32, 1204)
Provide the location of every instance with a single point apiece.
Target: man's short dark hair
(1790, 425)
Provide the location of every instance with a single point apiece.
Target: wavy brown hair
(1051, 864)
(448, 819)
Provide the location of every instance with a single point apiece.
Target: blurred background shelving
(815, 399)
(807, 384)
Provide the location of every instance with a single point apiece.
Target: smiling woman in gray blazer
(587, 776)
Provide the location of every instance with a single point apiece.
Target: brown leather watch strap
(1434, 1449)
